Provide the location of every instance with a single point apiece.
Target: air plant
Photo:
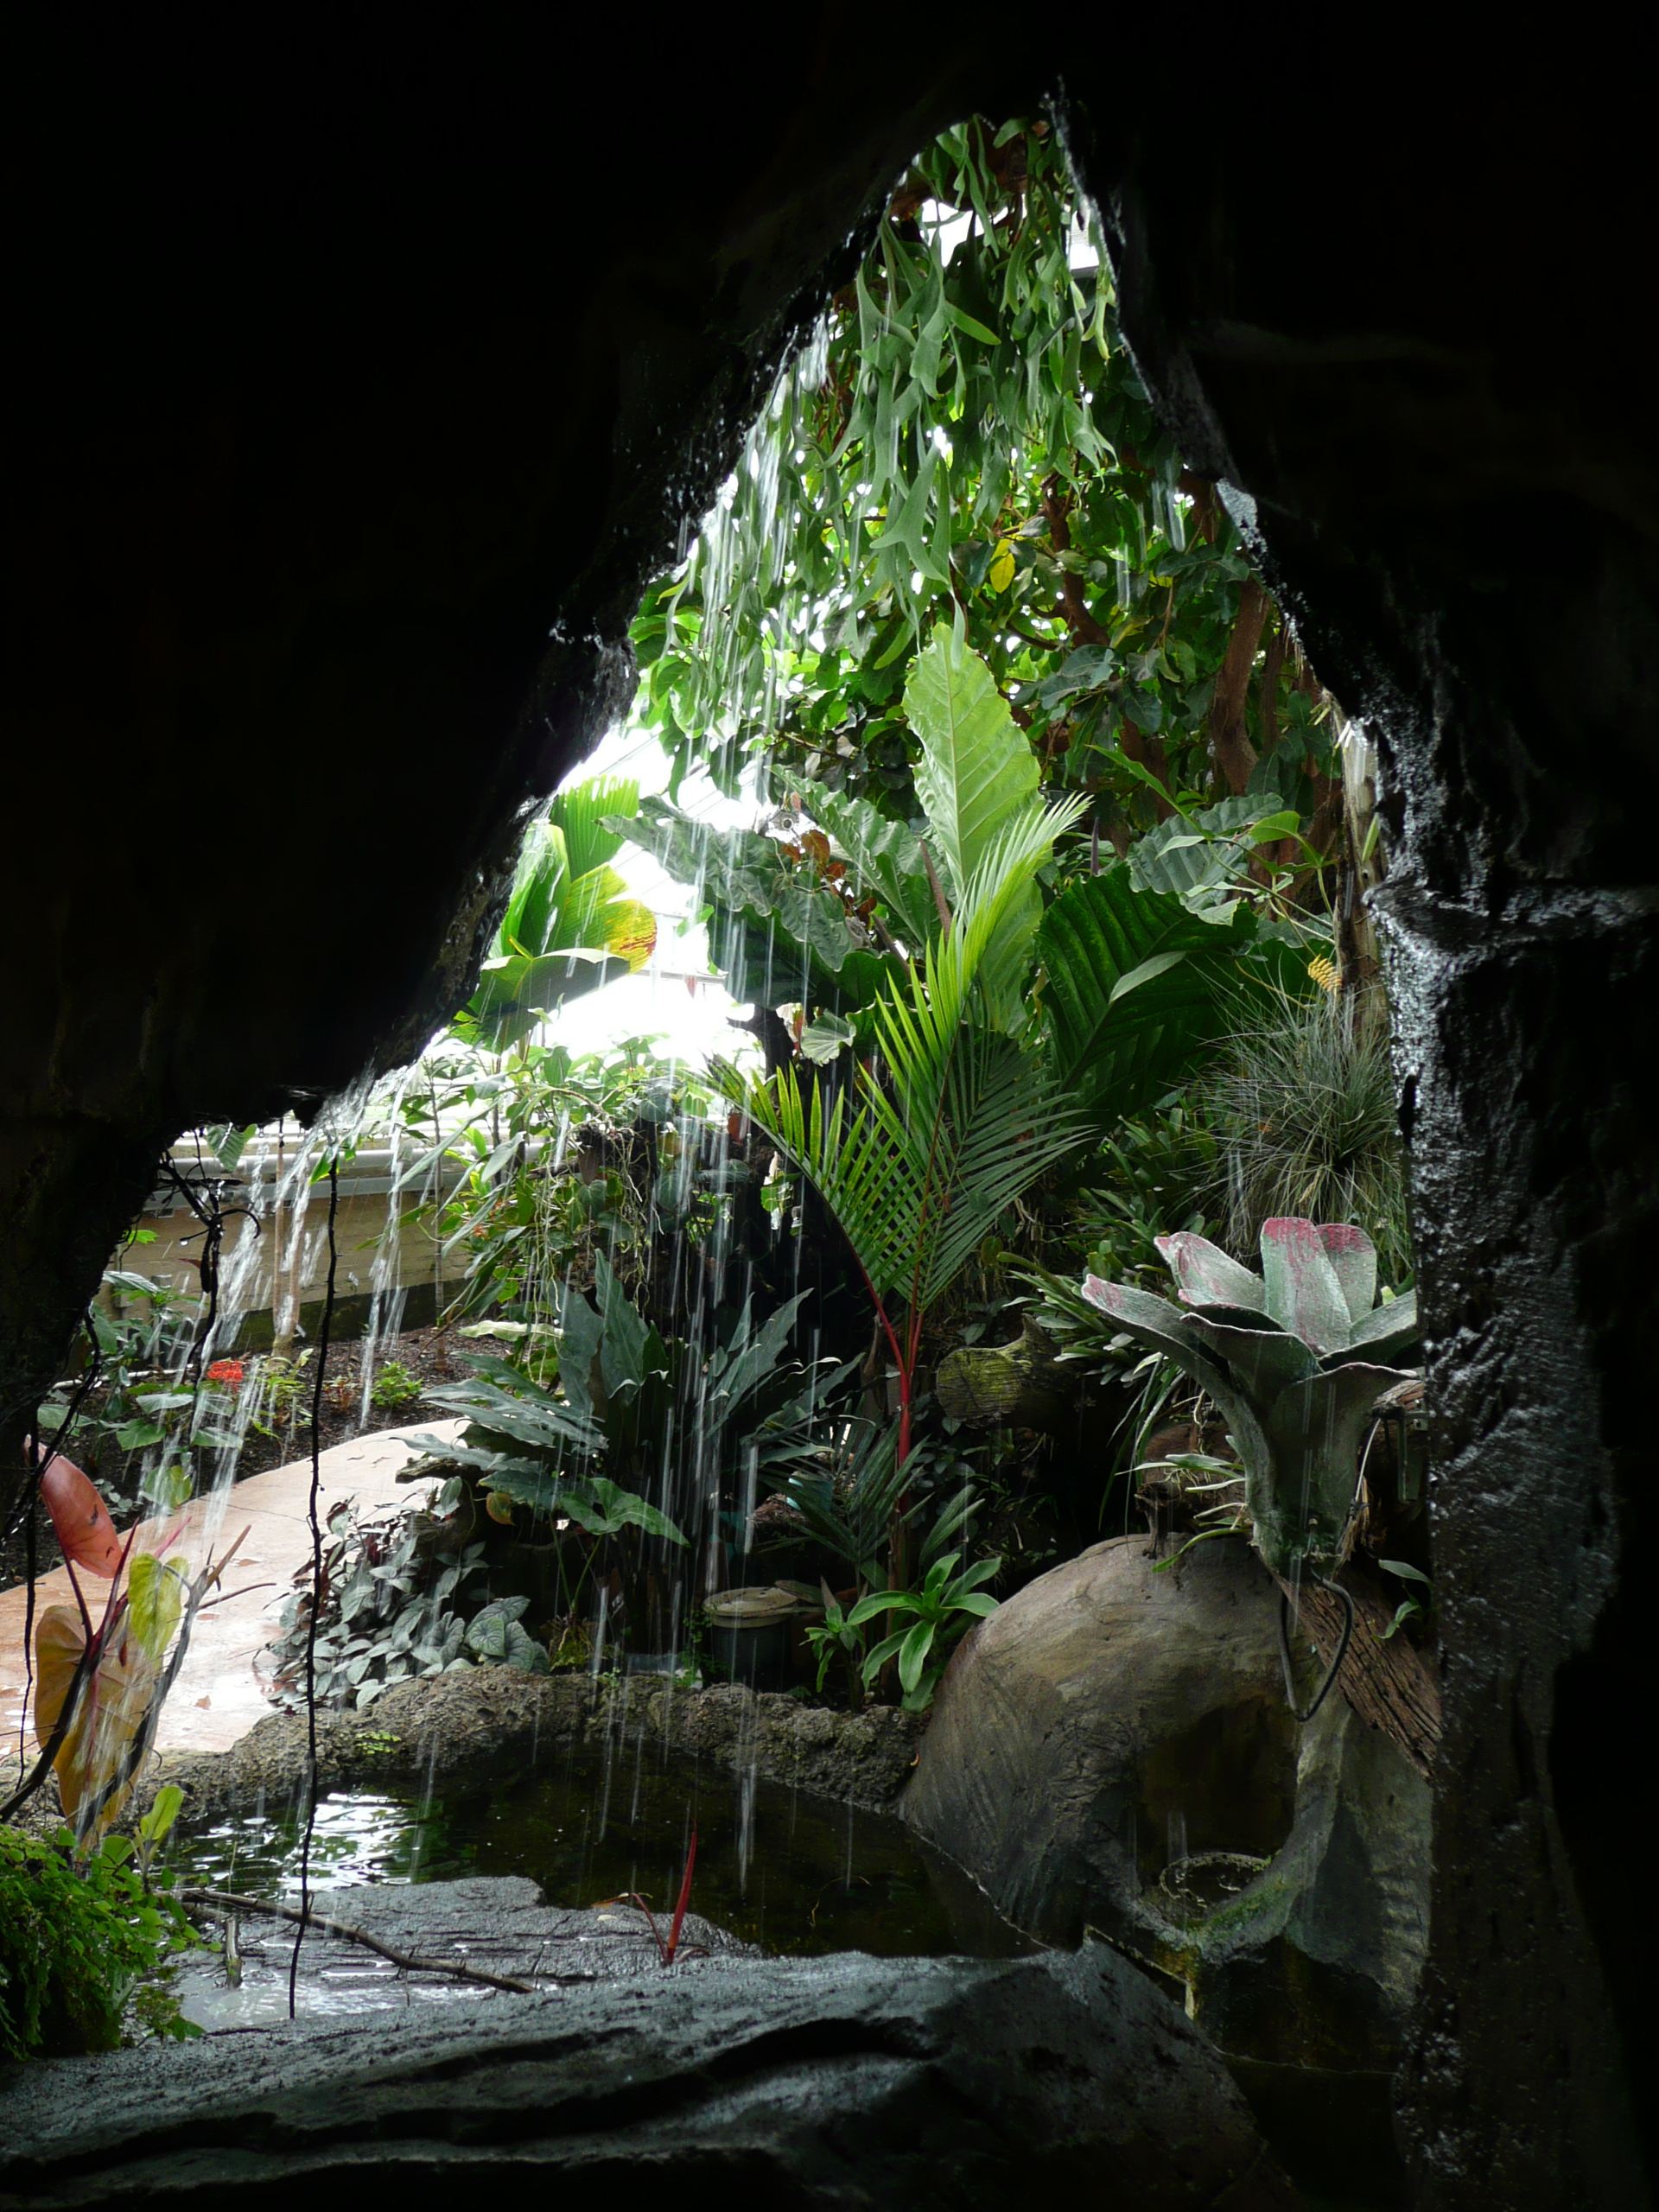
(1295, 1358)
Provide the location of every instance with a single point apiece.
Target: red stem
(685, 1899)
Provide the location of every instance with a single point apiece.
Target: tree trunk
(1019, 1385)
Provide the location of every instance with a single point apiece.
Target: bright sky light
(674, 998)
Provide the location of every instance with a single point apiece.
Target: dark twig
(220, 1901)
(316, 1589)
(1334, 1668)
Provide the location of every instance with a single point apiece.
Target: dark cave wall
(359, 401)
(1431, 382)
(361, 397)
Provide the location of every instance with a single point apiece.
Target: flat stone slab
(498, 1924)
(842, 2082)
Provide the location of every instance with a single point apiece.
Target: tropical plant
(967, 436)
(1293, 1359)
(100, 1688)
(391, 1610)
(695, 1430)
(570, 924)
(919, 1156)
(79, 1935)
(394, 1386)
(945, 1606)
(1302, 1108)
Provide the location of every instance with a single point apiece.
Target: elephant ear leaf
(80, 1521)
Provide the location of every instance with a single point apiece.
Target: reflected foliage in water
(792, 1872)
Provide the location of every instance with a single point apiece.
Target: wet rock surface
(500, 1924)
(1109, 1718)
(490, 1720)
(1113, 1748)
(835, 2082)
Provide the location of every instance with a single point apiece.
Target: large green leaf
(770, 919)
(918, 1162)
(885, 857)
(977, 775)
(586, 814)
(1137, 987)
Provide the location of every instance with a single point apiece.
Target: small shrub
(394, 1386)
(75, 1943)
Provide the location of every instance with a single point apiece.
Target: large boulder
(1119, 1713)
(831, 2082)
(1113, 1748)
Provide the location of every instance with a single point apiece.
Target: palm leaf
(919, 1161)
(1137, 987)
(976, 775)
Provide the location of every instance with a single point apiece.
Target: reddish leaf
(79, 1521)
(685, 1899)
(1205, 1275)
(1353, 1255)
(1305, 1294)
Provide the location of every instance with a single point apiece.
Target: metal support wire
(1334, 1668)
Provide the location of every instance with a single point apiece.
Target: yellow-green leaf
(155, 1595)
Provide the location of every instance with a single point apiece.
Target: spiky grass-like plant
(1302, 1112)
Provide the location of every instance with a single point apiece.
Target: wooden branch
(1234, 756)
(1149, 754)
(1019, 1385)
(222, 1901)
(1074, 607)
(1207, 507)
(1392, 1685)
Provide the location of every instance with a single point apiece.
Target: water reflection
(794, 1873)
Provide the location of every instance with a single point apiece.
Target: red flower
(227, 1371)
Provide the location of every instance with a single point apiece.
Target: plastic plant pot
(749, 1636)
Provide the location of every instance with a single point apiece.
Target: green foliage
(1303, 1111)
(526, 1211)
(496, 1635)
(918, 1162)
(1138, 986)
(967, 436)
(940, 1611)
(685, 1427)
(1292, 1358)
(570, 924)
(976, 778)
(393, 1609)
(394, 1386)
(76, 1940)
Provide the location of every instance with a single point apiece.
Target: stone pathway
(217, 1697)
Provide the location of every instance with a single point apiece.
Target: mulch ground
(429, 1356)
